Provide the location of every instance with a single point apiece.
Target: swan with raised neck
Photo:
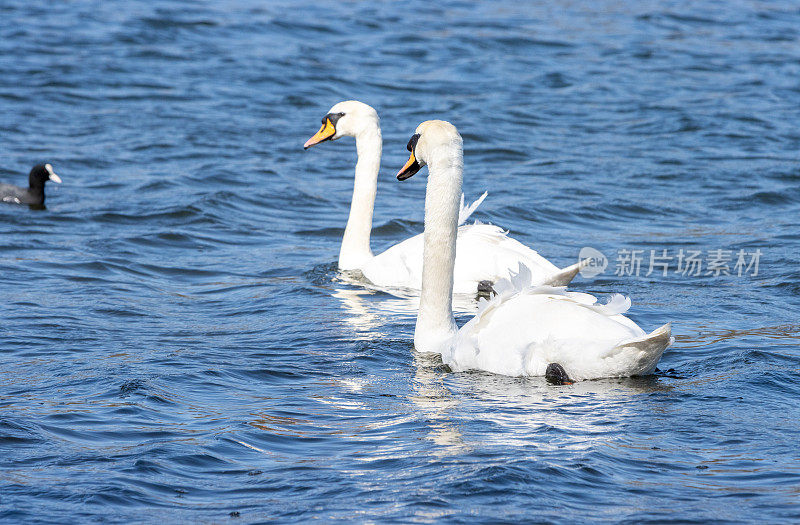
(437, 144)
(525, 329)
(352, 118)
(484, 252)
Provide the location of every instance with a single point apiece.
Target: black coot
(34, 193)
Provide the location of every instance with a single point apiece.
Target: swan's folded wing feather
(521, 333)
(486, 252)
(465, 211)
(565, 276)
(640, 355)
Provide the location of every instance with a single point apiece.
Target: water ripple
(178, 344)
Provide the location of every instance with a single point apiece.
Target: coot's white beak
(53, 176)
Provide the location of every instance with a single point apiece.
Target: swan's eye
(333, 117)
(412, 143)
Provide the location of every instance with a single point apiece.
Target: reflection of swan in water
(399, 301)
(572, 417)
(460, 414)
(524, 412)
(370, 309)
(364, 321)
(437, 405)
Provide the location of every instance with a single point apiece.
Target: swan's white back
(483, 252)
(521, 335)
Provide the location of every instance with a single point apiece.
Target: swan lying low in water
(484, 252)
(524, 327)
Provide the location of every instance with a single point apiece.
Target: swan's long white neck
(355, 249)
(436, 327)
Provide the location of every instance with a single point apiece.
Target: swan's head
(431, 138)
(345, 119)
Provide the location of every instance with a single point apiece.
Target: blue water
(176, 344)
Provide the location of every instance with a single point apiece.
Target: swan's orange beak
(412, 165)
(410, 168)
(325, 133)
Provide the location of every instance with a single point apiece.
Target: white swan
(524, 328)
(484, 251)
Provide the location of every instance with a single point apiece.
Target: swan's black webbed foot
(485, 289)
(556, 375)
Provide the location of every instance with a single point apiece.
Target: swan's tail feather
(466, 211)
(645, 351)
(565, 276)
(616, 305)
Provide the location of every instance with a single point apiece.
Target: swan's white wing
(400, 266)
(522, 332)
(483, 252)
(486, 252)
